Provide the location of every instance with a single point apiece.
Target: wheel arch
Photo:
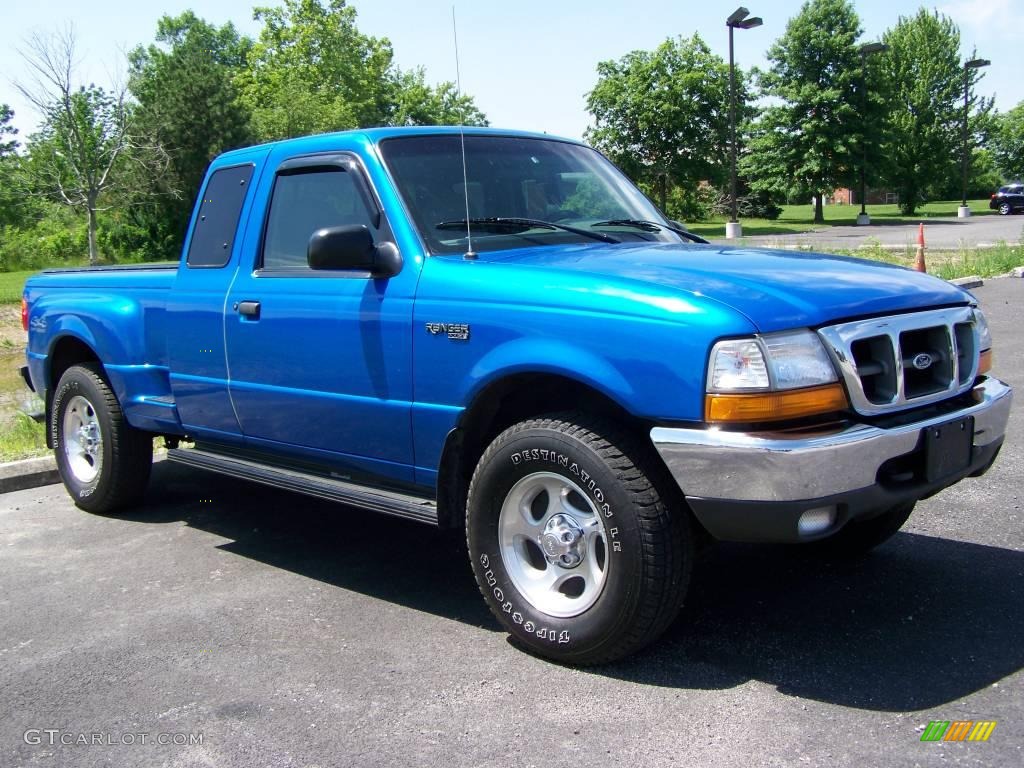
(66, 351)
(502, 402)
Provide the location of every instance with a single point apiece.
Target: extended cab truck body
(520, 343)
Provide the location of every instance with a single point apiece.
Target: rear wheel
(1005, 209)
(103, 461)
(571, 543)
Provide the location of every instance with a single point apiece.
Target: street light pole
(964, 211)
(737, 19)
(865, 50)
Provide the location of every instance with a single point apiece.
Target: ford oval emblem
(922, 361)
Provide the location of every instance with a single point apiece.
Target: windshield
(536, 183)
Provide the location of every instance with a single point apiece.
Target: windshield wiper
(506, 224)
(650, 226)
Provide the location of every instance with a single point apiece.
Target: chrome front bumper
(791, 468)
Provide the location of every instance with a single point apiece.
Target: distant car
(1008, 199)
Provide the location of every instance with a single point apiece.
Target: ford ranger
(497, 331)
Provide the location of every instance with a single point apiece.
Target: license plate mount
(948, 448)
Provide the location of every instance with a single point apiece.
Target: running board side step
(373, 499)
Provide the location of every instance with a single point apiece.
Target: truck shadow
(922, 622)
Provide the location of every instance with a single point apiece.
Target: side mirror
(352, 248)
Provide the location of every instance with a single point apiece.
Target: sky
(528, 64)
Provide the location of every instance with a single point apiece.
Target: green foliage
(187, 104)
(418, 103)
(312, 70)
(810, 140)
(22, 439)
(666, 112)
(984, 262)
(985, 177)
(1007, 143)
(74, 158)
(923, 143)
(12, 201)
(7, 132)
(135, 167)
(58, 238)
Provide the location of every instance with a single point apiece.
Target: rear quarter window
(217, 222)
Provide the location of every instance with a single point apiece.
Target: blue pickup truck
(497, 331)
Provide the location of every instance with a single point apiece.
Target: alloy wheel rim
(83, 440)
(553, 544)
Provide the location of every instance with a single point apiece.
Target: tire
(856, 539)
(1005, 209)
(571, 543)
(103, 461)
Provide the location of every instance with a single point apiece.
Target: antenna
(470, 254)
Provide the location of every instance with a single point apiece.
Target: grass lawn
(12, 284)
(800, 218)
(22, 438)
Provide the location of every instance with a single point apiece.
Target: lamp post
(738, 19)
(964, 211)
(865, 50)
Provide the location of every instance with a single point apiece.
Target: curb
(974, 281)
(28, 473)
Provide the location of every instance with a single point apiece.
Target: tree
(312, 70)
(10, 199)
(665, 112)
(85, 144)
(8, 144)
(1007, 143)
(187, 103)
(810, 140)
(418, 103)
(925, 75)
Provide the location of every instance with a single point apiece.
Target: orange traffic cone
(919, 264)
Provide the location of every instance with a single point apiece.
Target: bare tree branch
(86, 145)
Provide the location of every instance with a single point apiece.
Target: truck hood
(774, 289)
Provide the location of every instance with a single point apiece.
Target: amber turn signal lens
(774, 406)
(24, 314)
(985, 362)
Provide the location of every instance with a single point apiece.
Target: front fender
(552, 356)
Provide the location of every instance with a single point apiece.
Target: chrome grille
(903, 361)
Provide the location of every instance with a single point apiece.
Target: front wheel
(103, 461)
(571, 544)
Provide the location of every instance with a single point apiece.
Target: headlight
(984, 335)
(774, 361)
(984, 342)
(771, 377)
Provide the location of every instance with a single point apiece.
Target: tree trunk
(94, 255)
(819, 214)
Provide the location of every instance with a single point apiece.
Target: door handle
(249, 309)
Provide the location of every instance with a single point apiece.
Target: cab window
(301, 204)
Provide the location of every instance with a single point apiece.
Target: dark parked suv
(1008, 199)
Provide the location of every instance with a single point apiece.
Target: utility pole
(737, 20)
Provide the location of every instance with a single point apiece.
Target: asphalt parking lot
(249, 627)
